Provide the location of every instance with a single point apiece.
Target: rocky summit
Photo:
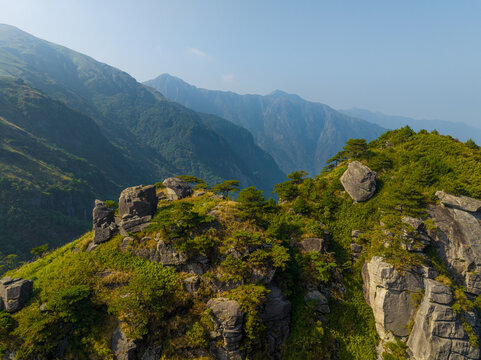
(377, 257)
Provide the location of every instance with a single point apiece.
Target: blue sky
(414, 58)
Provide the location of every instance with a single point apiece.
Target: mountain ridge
(459, 130)
(297, 133)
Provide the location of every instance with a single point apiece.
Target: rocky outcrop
(14, 293)
(104, 225)
(137, 205)
(438, 332)
(177, 188)
(138, 201)
(123, 347)
(228, 318)
(276, 316)
(461, 202)
(389, 295)
(359, 181)
(457, 238)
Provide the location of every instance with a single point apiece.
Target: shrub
(250, 298)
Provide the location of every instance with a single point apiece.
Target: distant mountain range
(458, 130)
(76, 129)
(300, 135)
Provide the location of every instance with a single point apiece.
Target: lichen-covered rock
(389, 295)
(169, 256)
(359, 181)
(276, 315)
(152, 353)
(191, 284)
(123, 347)
(319, 301)
(457, 240)
(416, 224)
(138, 201)
(228, 319)
(438, 332)
(14, 293)
(104, 225)
(314, 244)
(177, 188)
(461, 202)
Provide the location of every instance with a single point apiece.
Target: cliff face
(421, 311)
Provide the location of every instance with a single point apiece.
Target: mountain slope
(51, 157)
(300, 135)
(162, 137)
(317, 276)
(458, 130)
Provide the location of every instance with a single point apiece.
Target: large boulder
(138, 201)
(177, 188)
(137, 205)
(359, 181)
(228, 318)
(438, 332)
(389, 294)
(104, 225)
(14, 293)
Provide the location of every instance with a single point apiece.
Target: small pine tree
(226, 187)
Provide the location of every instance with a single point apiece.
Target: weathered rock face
(104, 225)
(457, 239)
(359, 181)
(228, 318)
(138, 201)
(123, 347)
(276, 315)
(177, 188)
(14, 293)
(438, 331)
(389, 295)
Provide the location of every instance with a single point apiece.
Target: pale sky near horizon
(414, 58)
